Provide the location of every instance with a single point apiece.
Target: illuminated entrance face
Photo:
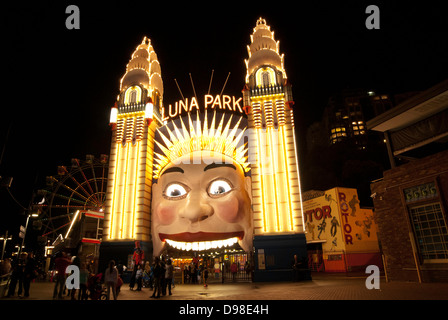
(201, 202)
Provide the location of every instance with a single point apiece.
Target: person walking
(162, 276)
(194, 274)
(158, 273)
(133, 277)
(83, 279)
(295, 268)
(169, 273)
(139, 277)
(119, 284)
(147, 275)
(137, 258)
(29, 273)
(234, 270)
(76, 261)
(205, 276)
(223, 272)
(16, 276)
(190, 274)
(21, 278)
(120, 268)
(186, 274)
(111, 279)
(60, 264)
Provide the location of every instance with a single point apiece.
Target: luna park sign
(218, 102)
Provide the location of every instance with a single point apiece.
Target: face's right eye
(175, 191)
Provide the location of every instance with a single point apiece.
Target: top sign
(221, 102)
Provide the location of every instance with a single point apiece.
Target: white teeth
(202, 245)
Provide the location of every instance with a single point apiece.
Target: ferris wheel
(82, 186)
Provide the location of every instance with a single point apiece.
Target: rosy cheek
(166, 214)
(228, 210)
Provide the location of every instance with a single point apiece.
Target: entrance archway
(230, 264)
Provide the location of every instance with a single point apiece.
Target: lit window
(431, 231)
(133, 96)
(266, 79)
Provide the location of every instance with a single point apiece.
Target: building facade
(341, 235)
(411, 199)
(161, 157)
(346, 114)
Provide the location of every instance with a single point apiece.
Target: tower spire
(144, 70)
(264, 49)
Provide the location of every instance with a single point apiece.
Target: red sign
(318, 213)
(344, 212)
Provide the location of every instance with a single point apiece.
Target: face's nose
(196, 208)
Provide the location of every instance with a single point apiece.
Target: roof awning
(421, 106)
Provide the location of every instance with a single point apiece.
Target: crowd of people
(19, 273)
(22, 272)
(158, 276)
(194, 273)
(61, 262)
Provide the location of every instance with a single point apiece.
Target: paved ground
(248, 300)
(322, 287)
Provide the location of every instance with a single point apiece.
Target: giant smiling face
(201, 205)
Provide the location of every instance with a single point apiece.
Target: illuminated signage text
(344, 212)
(221, 102)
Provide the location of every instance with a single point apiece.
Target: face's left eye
(219, 187)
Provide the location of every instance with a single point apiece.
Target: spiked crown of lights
(223, 136)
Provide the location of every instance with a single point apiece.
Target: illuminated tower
(268, 101)
(276, 194)
(133, 120)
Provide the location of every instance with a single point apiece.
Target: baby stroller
(95, 287)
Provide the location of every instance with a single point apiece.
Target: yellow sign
(357, 224)
(337, 221)
(322, 221)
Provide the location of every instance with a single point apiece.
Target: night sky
(60, 84)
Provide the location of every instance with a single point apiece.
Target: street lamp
(5, 238)
(34, 215)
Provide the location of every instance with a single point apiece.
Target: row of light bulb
(202, 245)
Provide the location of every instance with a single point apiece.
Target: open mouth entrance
(225, 261)
(202, 245)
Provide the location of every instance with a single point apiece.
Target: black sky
(59, 84)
